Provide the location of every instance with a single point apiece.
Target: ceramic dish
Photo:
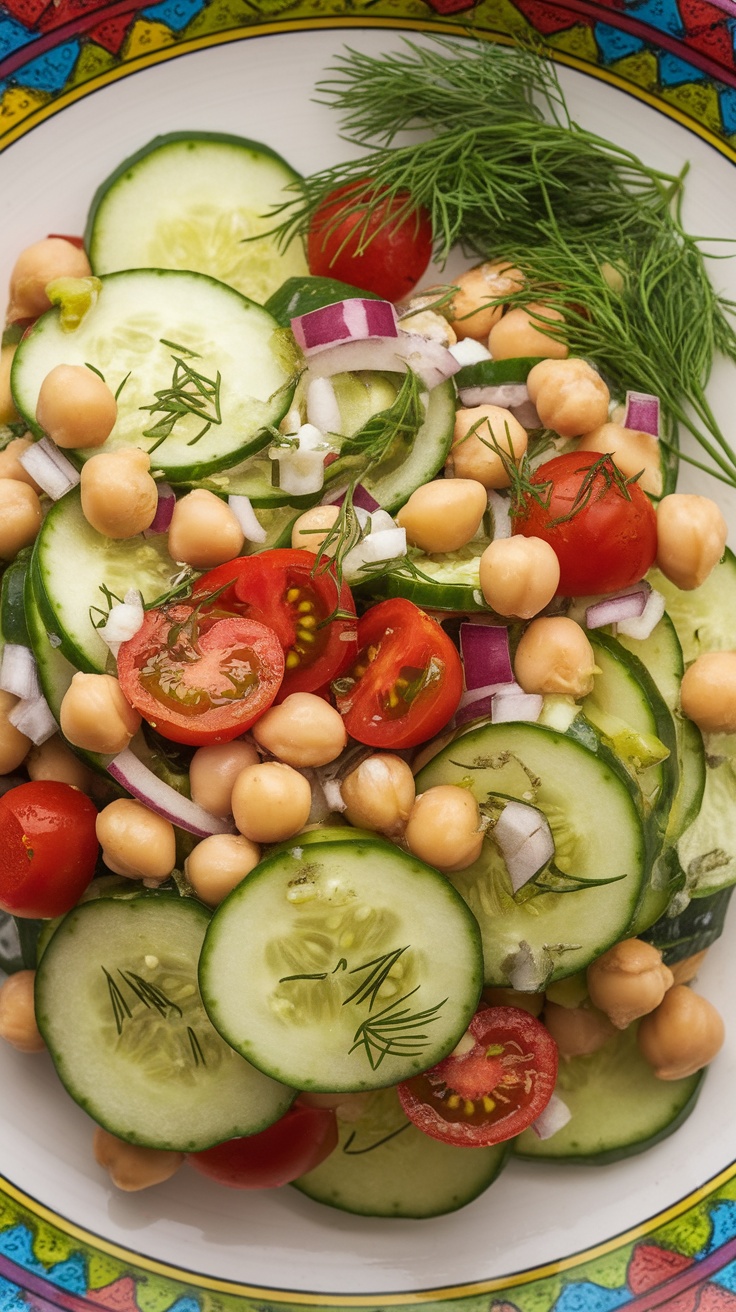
(541, 1239)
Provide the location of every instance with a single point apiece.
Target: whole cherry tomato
(48, 848)
(360, 238)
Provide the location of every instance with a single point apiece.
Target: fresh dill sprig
(190, 393)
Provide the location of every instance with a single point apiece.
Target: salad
(368, 689)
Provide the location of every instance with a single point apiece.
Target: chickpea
(486, 437)
(17, 1013)
(443, 515)
(204, 532)
(531, 1002)
(577, 1031)
(633, 452)
(570, 396)
(13, 744)
(470, 313)
(130, 1166)
(691, 538)
(684, 972)
(8, 412)
(35, 268)
(96, 715)
(520, 332)
(708, 692)
(119, 497)
(682, 1035)
(218, 864)
(628, 981)
(213, 771)
(10, 466)
(304, 730)
(554, 656)
(379, 794)
(444, 828)
(75, 407)
(271, 802)
(136, 842)
(310, 529)
(430, 324)
(54, 760)
(20, 517)
(519, 576)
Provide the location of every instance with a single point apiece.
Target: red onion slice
(362, 499)
(624, 606)
(642, 626)
(142, 783)
(50, 469)
(512, 703)
(554, 1117)
(486, 657)
(430, 361)
(164, 509)
(344, 321)
(18, 672)
(642, 413)
(525, 841)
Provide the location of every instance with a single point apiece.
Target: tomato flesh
(48, 848)
(602, 529)
(281, 1153)
(387, 256)
(491, 1092)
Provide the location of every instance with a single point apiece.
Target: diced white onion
(50, 469)
(525, 841)
(322, 408)
(123, 622)
(523, 970)
(302, 467)
(18, 673)
(34, 719)
(142, 783)
(468, 351)
(247, 518)
(504, 394)
(512, 703)
(381, 519)
(642, 626)
(554, 1117)
(500, 508)
(333, 795)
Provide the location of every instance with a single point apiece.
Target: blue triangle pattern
(615, 44)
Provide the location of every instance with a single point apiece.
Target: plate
(541, 1239)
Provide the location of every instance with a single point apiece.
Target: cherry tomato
(289, 1148)
(494, 1090)
(48, 848)
(406, 682)
(200, 677)
(389, 263)
(602, 529)
(290, 592)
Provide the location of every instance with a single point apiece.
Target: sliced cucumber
(496, 373)
(618, 1106)
(342, 966)
(705, 617)
(384, 1166)
(449, 581)
(148, 327)
(299, 295)
(693, 929)
(13, 626)
(199, 201)
(597, 833)
(118, 1005)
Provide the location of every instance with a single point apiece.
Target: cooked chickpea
(443, 515)
(8, 412)
(13, 744)
(304, 730)
(17, 1013)
(218, 864)
(682, 1035)
(204, 532)
(708, 692)
(54, 760)
(691, 538)
(570, 397)
(628, 981)
(310, 529)
(75, 407)
(136, 842)
(119, 497)
(486, 437)
(130, 1166)
(379, 794)
(531, 1002)
(35, 268)
(271, 802)
(521, 332)
(470, 313)
(213, 771)
(519, 576)
(633, 452)
(685, 971)
(554, 656)
(430, 324)
(577, 1031)
(20, 517)
(96, 715)
(10, 466)
(444, 828)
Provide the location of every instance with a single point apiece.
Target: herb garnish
(190, 393)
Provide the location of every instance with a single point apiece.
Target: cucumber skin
(679, 937)
(297, 296)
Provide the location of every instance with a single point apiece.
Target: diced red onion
(247, 518)
(123, 622)
(344, 321)
(430, 361)
(642, 626)
(485, 652)
(18, 672)
(554, 1117)
(322, 408)
(512, 703)
(362, 499)
(642, 413)
(476, 703)
(142, 783)
(164, 510)
(527, 414)
(504, 394)
(525, 841)
(468, 351)
(624, 606)
(500, 508)
(34, 719)
(49, 468)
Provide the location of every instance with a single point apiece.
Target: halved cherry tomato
(291, 592)
(494, 1090)
(602, 528)
(200, 677)
(385, 255)
(48, 848)
(289, 1148)
(406, 682)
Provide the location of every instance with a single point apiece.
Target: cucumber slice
(136, 1049)
(199, 201)
(618, 1106)
(496, 373)
(298, 296)
(693, 929)
(384, 1166)
(147, 327)
(705, 617)
(342, 966)
(597, 833)
(13, 626)
(449, 581)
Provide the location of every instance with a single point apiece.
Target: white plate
(280, 1241)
